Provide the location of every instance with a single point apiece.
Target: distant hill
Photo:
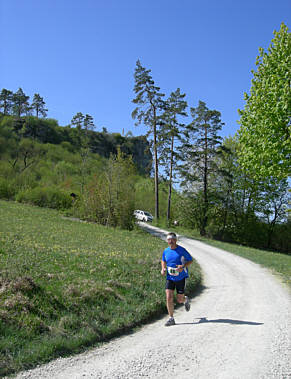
(45, 130)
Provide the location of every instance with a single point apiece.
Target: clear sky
(80, 55)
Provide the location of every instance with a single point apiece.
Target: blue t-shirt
(178, 256)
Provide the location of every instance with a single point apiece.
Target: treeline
(16, 115)
(234, 206)
(81, 183)
(217, 195)
(220, 195)
(89, 174)
(17, 104)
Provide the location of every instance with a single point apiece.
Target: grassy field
(278, 263)
(66, 285)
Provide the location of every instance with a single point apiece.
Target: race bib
(173, 271)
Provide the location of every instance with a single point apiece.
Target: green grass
(66, 285)
(278, 263)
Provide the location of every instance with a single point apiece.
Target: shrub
(108, 198)
(45, 197)
(7, 191)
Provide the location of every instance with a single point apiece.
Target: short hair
(172, 235)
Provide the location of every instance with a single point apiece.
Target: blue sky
(80, 55)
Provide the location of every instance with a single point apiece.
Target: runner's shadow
(204, 320)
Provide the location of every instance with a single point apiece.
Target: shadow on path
(204, 320)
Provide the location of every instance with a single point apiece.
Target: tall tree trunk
(170, 181)
(156, 167)
(5, 107)
(205, 188)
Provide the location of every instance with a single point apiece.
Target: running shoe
(187, 304)
(170, 322)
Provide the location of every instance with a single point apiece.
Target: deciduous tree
(265, 131)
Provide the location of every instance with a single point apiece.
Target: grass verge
(66, 285)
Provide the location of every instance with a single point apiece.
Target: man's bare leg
(180, 298)
(170, 302)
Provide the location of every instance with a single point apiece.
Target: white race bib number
(173, 271)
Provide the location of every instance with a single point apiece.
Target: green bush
(7, 191)
(108, 199)
(45, 197)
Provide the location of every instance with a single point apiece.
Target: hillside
(66, 285)
(47, 131)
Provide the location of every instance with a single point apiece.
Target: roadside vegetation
(66, 285)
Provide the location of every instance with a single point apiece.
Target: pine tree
(149, 106)
(38, 105)
(83, 125)
(78, 120)
(88, 123)
(20, 103)
(199, 151)
(6, 98)
(171, 130)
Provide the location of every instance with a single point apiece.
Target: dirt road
(238, 327)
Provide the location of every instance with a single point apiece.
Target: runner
(175, 261)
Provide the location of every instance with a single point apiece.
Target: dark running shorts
(180, 285)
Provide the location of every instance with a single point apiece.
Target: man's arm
(186, 264)
(163, 270)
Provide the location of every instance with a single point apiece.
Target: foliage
(265, 132)
(171, 130)
(45, 174)
(43, 163)
(7, 191)
(241, 209)
(145, 198)
(198, 153)
(83, 139)
(41, 130)
(188, 211)
(38, 105)
(20, 103)
(108, 198)
(45, 197)
(247, 209)
(6, 98)
(25, 154)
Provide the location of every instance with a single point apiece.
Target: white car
(143, 216)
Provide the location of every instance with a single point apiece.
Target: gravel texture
(238, 327)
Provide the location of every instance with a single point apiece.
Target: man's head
(172, 240)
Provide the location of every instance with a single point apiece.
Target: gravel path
(238, 327)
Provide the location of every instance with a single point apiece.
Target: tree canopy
(150, 104)
(265, 131)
